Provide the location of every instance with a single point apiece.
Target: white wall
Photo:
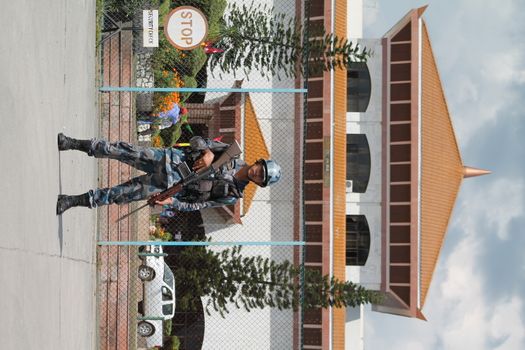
(270, 217)
(354, 15)
(354, 328)
(369, 203)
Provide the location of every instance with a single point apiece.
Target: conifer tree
(255, 37)
(229, 278)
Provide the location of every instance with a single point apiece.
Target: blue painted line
(193, 243)
(251, 90)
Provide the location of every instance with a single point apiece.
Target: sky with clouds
(477, 297)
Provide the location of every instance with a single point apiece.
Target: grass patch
(164, 9)
(99, 13)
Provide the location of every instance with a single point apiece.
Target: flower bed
(176, 68)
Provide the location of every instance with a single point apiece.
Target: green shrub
(164, 78)
(203, 5)
(171, 135)
(189, 81)
(193, 61)
(175, 345)
(166, 327)
(164, 9)
(126, 8)
(167, 61)
(186, 63)
(167, 58)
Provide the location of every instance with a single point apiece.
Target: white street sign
(150, 26)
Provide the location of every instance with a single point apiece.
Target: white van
(158, 304)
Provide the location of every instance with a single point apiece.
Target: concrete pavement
(47, 263)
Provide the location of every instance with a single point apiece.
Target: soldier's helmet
(272, 171)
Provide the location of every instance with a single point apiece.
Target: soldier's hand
(204, 161)
(167, 201)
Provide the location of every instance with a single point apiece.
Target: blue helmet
(272, 171)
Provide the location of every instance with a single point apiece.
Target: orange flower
(165, 103)
(156, 141)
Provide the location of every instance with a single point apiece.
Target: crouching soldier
(161, 166)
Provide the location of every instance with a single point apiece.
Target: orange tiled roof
(254, 148)
(442, 167)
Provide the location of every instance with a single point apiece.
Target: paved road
(47, 263)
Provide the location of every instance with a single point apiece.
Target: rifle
(189, 177)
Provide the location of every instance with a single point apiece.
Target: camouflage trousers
(157, 163)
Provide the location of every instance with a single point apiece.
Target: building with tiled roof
(382, 170)
(386, 168)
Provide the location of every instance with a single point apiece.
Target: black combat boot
(67, 143)
(65, 202)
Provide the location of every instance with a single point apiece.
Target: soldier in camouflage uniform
(160, 166)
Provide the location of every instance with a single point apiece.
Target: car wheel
(146, 273)
(145, 329)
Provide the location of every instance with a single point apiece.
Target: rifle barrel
(131, 212)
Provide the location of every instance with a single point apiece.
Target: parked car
(158, 304)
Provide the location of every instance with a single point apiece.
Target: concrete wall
(369, 203)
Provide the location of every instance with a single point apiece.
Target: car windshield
(168, 276)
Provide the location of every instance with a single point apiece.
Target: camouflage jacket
(214, 191)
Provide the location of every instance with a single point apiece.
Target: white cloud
(506, 323)
(480, 61)
(370, 12)
(480, 325)
(482, 96)
(462, 316)
(459, 267)
(461, 320)
(459, 316)
(492, 208)
(504, 67)
(468, 90)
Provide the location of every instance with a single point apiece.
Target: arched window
(358, 87)
(357, 162)
(357, 240)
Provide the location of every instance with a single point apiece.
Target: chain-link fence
(211, 297)
(229, 276)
